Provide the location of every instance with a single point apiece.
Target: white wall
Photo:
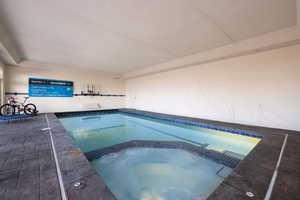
(2, 89)
(17, 81)
(1, 69)
(260, 89)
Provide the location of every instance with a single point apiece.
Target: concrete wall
(260, 89)
(17, 81)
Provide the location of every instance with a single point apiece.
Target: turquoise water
(104, 130)
(155, 173)
(159, 174)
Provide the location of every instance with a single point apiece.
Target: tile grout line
(271, 186)
(61, 184)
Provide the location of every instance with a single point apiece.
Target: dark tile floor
(27, 167)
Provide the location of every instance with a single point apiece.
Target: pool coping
(253, 174)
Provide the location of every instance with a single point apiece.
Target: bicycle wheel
(30, 109)
(7, 109)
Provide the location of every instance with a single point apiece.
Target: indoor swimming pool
(165, 161)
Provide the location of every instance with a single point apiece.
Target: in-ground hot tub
(146, 157)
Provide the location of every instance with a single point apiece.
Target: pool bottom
(159, 174)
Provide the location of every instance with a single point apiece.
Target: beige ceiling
(125, 35)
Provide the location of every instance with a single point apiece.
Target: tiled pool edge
(191, 123)
(255, 171)
(76, 168)
(160, 116)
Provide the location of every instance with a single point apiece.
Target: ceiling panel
(177, 26)
(108, 54)
(56, 37)
(243, 19)
(120, 36)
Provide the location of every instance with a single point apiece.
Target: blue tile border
(82, 113)
(158, 116)
(201, 125)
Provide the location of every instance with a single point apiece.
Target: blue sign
(50, 88)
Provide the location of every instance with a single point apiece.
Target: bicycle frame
(18, 105)
(14, 107)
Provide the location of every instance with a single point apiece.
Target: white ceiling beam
(8, 52)
(277, 39)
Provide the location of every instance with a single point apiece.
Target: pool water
(104, 130)
(159, 174)
(144, 173)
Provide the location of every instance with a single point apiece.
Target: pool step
(216, 156)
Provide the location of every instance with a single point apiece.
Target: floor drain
(77, 184)
(249, 194)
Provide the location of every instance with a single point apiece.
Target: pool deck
(28, 170)
(27, 166)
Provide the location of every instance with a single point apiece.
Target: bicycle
(13, 107)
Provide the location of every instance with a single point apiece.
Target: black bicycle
(14, 107)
